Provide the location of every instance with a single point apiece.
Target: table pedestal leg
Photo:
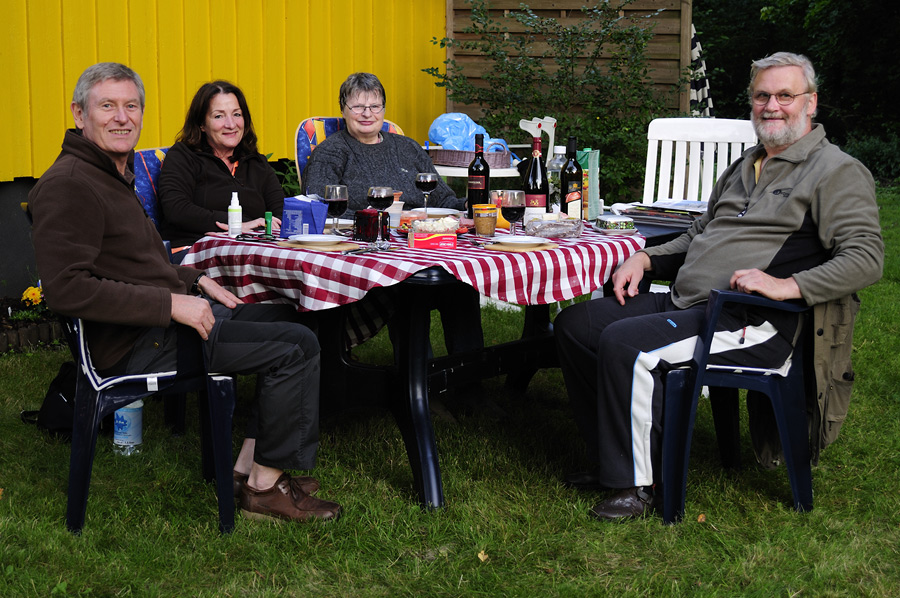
(410, 407)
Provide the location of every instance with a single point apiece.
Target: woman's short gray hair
(784, 59)
(99, 73)
(360, 83)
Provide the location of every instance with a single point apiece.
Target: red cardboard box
(432, 240)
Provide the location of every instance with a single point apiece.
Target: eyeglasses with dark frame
(761, 98)
(374, 109)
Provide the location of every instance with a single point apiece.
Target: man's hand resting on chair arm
(757, 281)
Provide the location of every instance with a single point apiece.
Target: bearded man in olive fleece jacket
(102, 260)
(793, 218)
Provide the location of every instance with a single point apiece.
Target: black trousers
(614, 359)
(265, 340)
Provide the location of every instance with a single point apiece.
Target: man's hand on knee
(194, 312)
(628, 276)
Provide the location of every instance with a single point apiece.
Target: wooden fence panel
(668, 52)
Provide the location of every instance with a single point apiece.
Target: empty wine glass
(336, 198)
(512, 207)
(381, 199)
(426, 182)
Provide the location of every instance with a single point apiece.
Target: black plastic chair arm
(717, 301)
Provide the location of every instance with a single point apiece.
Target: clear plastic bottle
(128, 429)
(235, 217)
(554, 167)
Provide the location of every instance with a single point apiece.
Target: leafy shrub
(286, 169)
(881, 155)
(593, 77)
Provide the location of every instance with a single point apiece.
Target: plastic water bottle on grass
(128, 429)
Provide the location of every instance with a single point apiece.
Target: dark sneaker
(285, 500)
(307, 484)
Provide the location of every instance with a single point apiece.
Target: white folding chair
(686, 156)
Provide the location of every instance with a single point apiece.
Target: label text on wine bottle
(535, 200)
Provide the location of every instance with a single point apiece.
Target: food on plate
(615, 223)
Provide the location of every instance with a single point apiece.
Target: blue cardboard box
(302, 210)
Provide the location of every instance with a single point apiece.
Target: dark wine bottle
(570, 183)
(479, 178)
(536, 184)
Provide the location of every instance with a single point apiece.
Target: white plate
(316, 239)
(520, 240)
(438, 211)
(615, 231)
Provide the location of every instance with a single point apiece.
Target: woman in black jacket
(214, 155)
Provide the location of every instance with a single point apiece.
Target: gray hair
(360, 83)
(784, 59)
(101, 72)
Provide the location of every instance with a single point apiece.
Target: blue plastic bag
(455, 131)
(302, 210)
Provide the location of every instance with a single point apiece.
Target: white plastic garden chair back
(686, 156)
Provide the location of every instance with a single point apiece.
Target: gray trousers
(264, 340)
(614, 359)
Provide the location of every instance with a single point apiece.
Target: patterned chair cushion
(147, 164)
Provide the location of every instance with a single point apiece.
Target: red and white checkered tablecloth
(316, 280)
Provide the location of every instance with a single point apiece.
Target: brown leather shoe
(285, 500)
(625, 504)
(307, 484)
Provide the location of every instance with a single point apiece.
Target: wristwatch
(195, 288)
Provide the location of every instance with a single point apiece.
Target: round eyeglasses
(374, 109)
(761, 98)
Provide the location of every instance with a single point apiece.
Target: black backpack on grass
(57, 412)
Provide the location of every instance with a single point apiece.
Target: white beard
(771, 134)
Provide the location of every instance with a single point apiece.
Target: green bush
(881, 155)
(286, 169)
(593, 77)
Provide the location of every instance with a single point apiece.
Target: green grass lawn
(509, 527)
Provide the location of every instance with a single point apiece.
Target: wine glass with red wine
(381, 199)
(512, 207)
(426, 182)
(336, 198)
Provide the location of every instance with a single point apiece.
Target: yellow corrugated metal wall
(289, 57)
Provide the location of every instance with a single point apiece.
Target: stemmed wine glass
(426, 182)
(512, 206)
(381, 199)
(336, 198)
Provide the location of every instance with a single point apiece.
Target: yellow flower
(32, 296)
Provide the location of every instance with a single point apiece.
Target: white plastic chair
(686, 156)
